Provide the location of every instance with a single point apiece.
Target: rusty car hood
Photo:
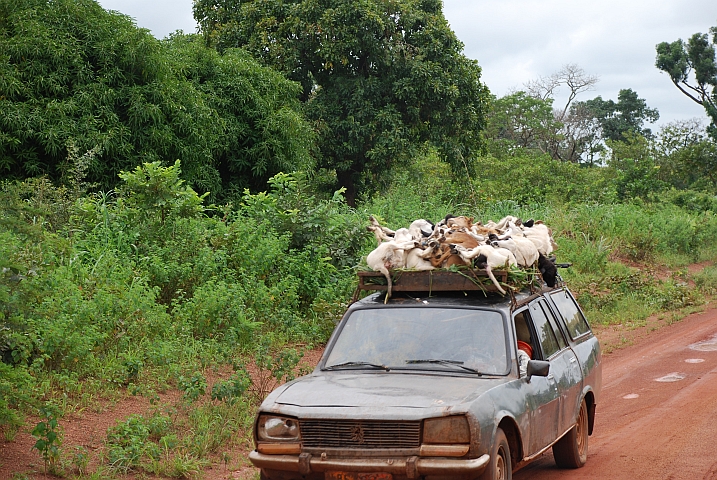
(378, 390)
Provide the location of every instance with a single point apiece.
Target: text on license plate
(357, 476)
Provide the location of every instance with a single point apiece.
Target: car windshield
(424, 338)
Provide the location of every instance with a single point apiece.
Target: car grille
(353, 434)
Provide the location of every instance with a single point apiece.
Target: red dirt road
(657, 414)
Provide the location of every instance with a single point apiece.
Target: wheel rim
(581, 431)
(500, 465)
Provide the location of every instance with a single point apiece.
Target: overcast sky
(516, 41)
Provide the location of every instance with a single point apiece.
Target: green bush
(218, 309)
(128, 442)
(16, 393)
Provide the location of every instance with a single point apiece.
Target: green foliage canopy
(638, 172)
(73, 72)
(379, 78)
(73, 75)
(261, 131)
(687, 157)
(692, 67)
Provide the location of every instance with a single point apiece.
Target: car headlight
(446, 430)
(274, 428)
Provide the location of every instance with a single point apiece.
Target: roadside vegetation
(198, 284)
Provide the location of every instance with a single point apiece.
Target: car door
(543, 396)
(583, 342)
(566, 368)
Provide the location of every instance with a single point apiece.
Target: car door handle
(551, 376)
(573, 359)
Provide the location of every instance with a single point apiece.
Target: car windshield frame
(452, 340)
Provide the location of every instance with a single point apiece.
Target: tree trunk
(346, 180)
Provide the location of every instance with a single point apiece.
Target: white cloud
(161, 17)
(516, 41)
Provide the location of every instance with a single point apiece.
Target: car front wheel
(499, 467)
(571, 451)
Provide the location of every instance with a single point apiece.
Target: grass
(706, 279)
(113, 303)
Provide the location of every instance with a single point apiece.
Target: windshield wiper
(358, 364)
(454, 363)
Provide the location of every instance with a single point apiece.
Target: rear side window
(551, 320)
(546, 335)
(574, 319)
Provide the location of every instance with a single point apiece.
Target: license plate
(357, 476)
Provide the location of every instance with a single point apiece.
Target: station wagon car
(463, 384)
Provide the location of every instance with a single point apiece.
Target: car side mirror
(539, 368)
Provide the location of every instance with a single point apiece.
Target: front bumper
(411, 467)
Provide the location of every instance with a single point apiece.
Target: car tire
(500, 467)
(571, 451)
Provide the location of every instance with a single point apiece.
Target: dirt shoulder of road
(616, 337)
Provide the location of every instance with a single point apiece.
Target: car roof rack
(448, 280)
(432, 280)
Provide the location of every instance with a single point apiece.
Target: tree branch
(677, 84)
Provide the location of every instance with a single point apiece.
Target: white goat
(541, 236)
(494, 258)
(525, 251)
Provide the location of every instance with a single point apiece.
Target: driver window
(522, 333)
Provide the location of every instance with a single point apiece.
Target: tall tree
(576, 135)
(628, 114)
(380, 78)
(260, 130)
(692, 67)
(524, 121)
(570, 76)
(74, 74)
